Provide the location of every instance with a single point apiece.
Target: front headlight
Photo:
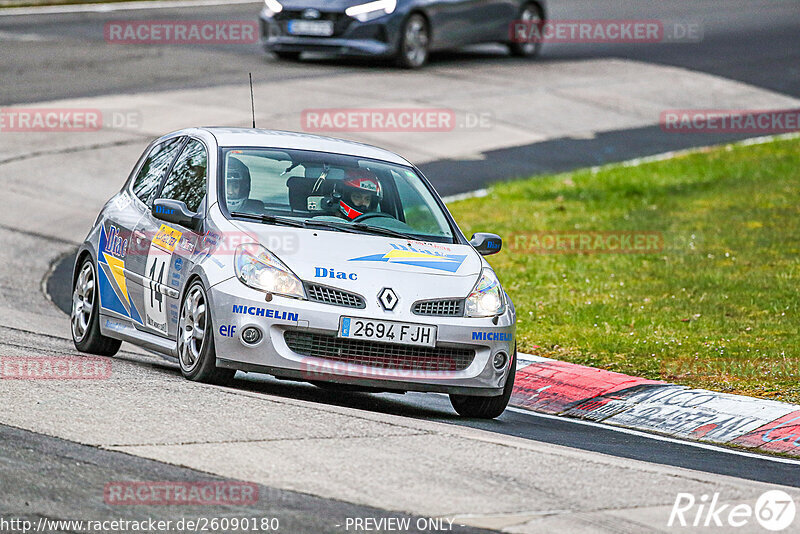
(260, 269)
(486, 299)
(371, 10)
(273, 6)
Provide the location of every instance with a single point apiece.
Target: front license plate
(318, 28)
(388, 331)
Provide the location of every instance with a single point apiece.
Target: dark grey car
(406, 30)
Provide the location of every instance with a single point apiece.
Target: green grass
(716, 307)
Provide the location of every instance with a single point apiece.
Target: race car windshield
(330, 192)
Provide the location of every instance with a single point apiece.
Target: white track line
(116, 6)
(478, 193)
(658, 437)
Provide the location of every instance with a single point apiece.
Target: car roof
(255, 137)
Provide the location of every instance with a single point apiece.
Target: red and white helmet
(361, 183)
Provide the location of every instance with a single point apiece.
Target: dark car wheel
(487, 407)
(287, 56)
(85, 315)
(196, 353)
(414, 42)
(532, 14)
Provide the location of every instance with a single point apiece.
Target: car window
(154, 167)
(418, 204)
(187, 181)
(325, 190)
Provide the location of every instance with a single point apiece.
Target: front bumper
(237, 307)
(376, 38)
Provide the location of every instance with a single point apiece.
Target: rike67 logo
(774, 510)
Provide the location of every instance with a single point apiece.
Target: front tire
(532, 14)
(196, 353)
(414, 43)
(85, 315)
(487, 407)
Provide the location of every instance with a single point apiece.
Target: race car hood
(367, 262)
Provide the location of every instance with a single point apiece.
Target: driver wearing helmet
(237, 188)
(362, 193)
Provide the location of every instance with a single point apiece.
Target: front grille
(382, 355)
(439, 307)
(331, 295)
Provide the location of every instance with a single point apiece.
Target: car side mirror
(486, 244)
(176, 212)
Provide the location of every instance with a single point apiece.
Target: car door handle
(139, 236)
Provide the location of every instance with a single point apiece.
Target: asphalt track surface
(74, 477)
(753, 42)
(62, 56)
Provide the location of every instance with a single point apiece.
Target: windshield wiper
(356, 228)
(359, 228)
(270, 219)
(343, 227)
(382, 231)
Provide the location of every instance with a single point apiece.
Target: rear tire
(85, 315)
(486, 407)
(196, 353)
(531, 13)
(415, 40)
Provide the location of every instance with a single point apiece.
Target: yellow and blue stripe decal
(113, 290)
(407, 255)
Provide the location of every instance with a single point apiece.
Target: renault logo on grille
(387, 298)
(311, 14)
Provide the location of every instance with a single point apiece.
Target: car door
(449, 22)
(119, 253)
(170, 246)
(493, 18)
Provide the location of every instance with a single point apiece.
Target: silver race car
(303, 257)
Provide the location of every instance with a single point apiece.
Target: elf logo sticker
(167, 238)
